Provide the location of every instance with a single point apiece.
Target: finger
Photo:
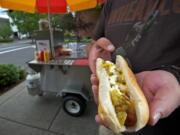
(98, 119)
(101, 48)
(95, 93)
(90, 45)
(94, 79)
(93, 55)
(105, 44)
(154, 114)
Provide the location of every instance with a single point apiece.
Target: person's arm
(160, 87)
(100, 26)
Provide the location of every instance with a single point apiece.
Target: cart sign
(43, 45)
(81, 62)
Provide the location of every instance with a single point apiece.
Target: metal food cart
(65, 76)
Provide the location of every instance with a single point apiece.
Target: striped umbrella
(49, 6)
(56, 6)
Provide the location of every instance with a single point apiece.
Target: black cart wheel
(74, 105)
(40, 94)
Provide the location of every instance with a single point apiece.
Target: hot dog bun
(122, 104)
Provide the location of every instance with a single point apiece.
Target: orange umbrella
(49, 6)
(56, 6)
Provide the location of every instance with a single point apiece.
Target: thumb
(155, 111)
(105, 44)
(163, 105)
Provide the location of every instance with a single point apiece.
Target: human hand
(102, 48)
(161, 90)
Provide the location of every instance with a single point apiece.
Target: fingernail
(97, 117)
(156, 118)
(98, 120)
(111, 47)
(92, 75)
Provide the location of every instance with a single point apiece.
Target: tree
(25, 22)
(5, 31)
(81, 24)
(66, 22)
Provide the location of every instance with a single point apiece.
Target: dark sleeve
(175, 70)
(99, 30)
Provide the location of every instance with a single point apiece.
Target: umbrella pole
(50, 31)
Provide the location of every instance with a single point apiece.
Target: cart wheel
(74, 105)
(40, 94)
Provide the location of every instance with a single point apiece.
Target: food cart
(65, 76)
(65, 73)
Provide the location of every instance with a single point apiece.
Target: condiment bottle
(46, 55)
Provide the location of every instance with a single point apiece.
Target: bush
(22, 74)
(5, 40)
(10, 74)
(5, 31)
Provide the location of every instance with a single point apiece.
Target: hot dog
(122, 104)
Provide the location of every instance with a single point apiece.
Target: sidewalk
(22, 114)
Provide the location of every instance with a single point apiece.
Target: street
(17, 53)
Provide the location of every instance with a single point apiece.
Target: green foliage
(10, 74)
(5, 40)
(69, 37)
(22, 74)
(5, 31)
(65, 22)
(27, 23)
(86, 40)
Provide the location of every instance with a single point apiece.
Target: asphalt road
(17, 53)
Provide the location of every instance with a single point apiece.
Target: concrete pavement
(22, 114)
